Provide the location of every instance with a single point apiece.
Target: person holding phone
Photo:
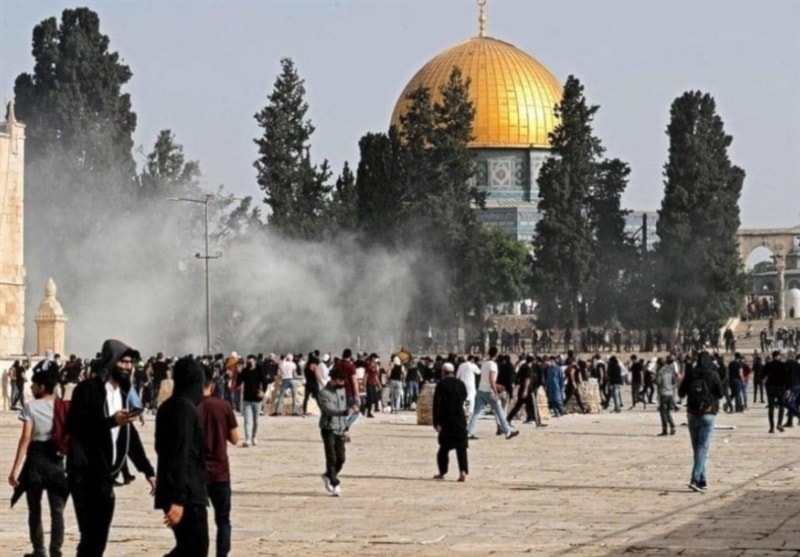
(102, 438)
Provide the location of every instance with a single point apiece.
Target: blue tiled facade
(509, 178)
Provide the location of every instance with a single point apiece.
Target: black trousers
(527, 400)
(191, 533)
(334, 454)
(310, 391)
(56, 501)
(775, 398)
(443, 458)
(93, 499)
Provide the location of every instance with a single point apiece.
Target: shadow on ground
(750, 523)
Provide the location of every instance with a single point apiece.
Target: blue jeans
(396, 390)
(736, 394)
(287, 385)
(616, 396)
(412, 392)
(483, 399)
(133, 399)
(701, 430)
(220, 496)
(250, 412)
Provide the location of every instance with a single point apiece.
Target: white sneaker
(327, 483)
(337, 490)
(253, 443)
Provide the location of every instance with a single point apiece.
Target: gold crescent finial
(482, 18)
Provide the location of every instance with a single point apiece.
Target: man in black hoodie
(102, 437)
(181, 487)
(702, 388)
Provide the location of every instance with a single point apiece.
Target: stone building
(514, 96)
(12, 267)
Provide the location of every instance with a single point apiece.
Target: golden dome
(513, 94)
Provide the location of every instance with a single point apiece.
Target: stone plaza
(587, 485)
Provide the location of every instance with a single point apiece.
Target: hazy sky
(204, 68)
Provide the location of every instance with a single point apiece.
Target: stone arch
(780, 241)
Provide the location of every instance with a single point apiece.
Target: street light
(205, 256)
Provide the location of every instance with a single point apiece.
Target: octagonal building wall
(12, 268)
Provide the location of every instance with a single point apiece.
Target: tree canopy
(701, 281)
(295, 189)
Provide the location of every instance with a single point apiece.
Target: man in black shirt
(637, 380)
(525, 393)
(778, 383)
(254, 386)
(450, 422)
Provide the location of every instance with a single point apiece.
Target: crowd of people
(80, 445)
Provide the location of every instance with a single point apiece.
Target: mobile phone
(133, 412)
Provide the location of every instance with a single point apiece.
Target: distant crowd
(86, 409)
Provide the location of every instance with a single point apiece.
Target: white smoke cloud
(134, 276)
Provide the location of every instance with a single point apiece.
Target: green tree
(293, 187)
(73, 106)
(613, 254)
(167, 172)
(79, 167)
(380, 193)
(698, 260)
(438, 216)
(344, 201)
(564, 247)
(504, 265)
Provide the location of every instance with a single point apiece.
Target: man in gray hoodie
(333, 425)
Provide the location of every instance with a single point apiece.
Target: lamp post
(206, 257)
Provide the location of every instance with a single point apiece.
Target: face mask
(122, 377)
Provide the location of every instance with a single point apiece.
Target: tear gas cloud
(133, 275)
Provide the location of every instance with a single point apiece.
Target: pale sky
(203, 69)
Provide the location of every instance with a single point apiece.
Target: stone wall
(12, 270)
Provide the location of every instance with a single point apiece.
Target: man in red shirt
(219, 427)
(347, 365)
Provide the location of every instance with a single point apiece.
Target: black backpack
(698, 397)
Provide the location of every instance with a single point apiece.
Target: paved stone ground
(593, 485)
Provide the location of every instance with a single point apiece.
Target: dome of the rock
(514, 95)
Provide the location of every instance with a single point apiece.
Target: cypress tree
(564, 247)
(698, 260)
(295, 190)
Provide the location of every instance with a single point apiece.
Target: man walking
(102, 437)
(254, 385)
(488, 395)
(288, 371)
(666, 377)
(525, 393)
(181, 485)
(467, 371)
(333, 425)
(219, 428)
(702, 388)
(778, 383)
(450, 422)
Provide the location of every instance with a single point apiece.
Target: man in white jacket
(467, 372)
